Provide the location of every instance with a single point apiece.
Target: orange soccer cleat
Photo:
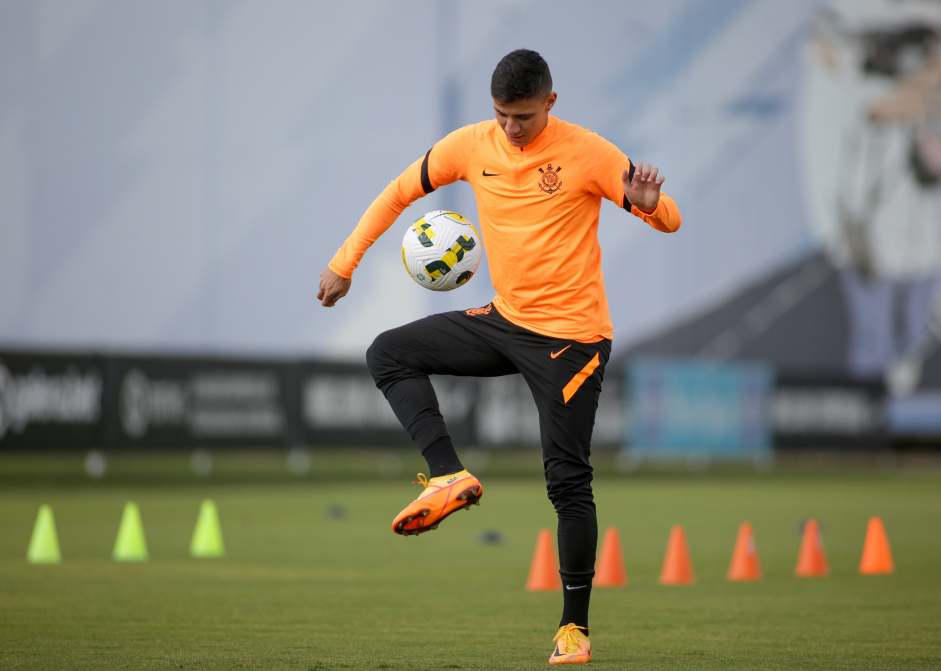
(571, 646)
(441, 497)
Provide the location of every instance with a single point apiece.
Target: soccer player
(538, 182)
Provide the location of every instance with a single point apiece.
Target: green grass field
(302, 587)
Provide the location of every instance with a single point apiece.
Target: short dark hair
(520, 75)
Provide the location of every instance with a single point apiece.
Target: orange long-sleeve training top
(538, 207)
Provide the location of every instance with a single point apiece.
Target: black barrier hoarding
(825, 412)
(50, 400)
(194, 402)
(340, 405)
(81, 401)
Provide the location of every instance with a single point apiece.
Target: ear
(550, 101)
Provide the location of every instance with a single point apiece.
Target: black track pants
(564, 377)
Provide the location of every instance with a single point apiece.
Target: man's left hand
(644, 190)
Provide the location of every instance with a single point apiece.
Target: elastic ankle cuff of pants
(577, 577)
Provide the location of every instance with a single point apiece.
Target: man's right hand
(332, 288)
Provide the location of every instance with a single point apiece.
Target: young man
(538, 182)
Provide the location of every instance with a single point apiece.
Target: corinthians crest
(550, 182)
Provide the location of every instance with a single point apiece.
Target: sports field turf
(313, 577)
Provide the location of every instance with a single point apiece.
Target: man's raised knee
(378, 360)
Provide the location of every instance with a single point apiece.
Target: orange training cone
(677, 568)
(744, 564)
(812, 560)
(877, 556)
(610, 571)
(544, 571)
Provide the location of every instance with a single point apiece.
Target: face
(523, 120)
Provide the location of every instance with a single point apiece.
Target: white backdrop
(174, 175)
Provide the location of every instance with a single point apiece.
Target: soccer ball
(441, 250)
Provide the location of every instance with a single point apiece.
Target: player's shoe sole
(441, 497)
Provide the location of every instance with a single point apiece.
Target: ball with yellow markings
(441, 250)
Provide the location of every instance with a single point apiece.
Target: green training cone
(131, 544)
(207, 537)
(44, 544)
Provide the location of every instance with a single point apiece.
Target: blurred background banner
(655, 406)
(51, 400)
(340, 405)
(174, 176)
(700, 407)
(199, 401)
(813, 410)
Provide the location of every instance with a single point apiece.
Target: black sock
(576, 597)
(578, 538)
(441, 458)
